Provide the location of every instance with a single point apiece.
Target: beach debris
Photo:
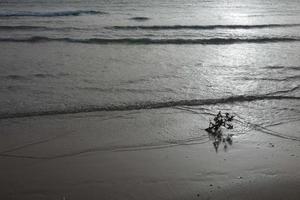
(216, 133)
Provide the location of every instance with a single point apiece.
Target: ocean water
(238, 56)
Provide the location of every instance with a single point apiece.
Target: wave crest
(203, 27)
(279, 67)
(51, 14)
(139, 18)
(151, 105)
(38, 28)
(146, 41)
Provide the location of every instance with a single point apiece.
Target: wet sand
(146, 154)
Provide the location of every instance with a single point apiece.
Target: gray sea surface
(64, 57)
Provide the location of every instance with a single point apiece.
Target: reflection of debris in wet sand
(215, 131)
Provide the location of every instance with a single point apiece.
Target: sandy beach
(111, 100)
(145, 154)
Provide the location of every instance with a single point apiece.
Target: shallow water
(79, 56)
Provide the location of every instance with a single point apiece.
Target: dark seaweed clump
(216, 133)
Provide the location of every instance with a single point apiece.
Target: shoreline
(145, 154)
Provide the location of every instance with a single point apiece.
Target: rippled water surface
(77, 56)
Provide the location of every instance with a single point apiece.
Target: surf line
(148, 105)
(151, 41)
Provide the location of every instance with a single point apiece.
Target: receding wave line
(204, 27)
(21, 27)
(285, 91)
(289, 78)
(42, 28)
(148, 105)
(118, 148)
(145, 41)
(283, 67)
(51, 14)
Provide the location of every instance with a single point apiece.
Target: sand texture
(145, 154)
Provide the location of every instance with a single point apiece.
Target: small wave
(285, 91)
(151, 78)
(126, 90)
(51, 14)
(283, 67)
(139, 18)
(48, 75)
(289, 78)
(145, 41)
(150, 105)
(15, 77)
(203, 27)
(14, 88)
(39, 28)
(39, 75)
(22, 27)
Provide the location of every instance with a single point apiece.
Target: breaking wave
(150, 105)
(145, 41)
(204, 27)
(51, 14)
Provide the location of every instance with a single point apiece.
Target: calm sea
(63, 56)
